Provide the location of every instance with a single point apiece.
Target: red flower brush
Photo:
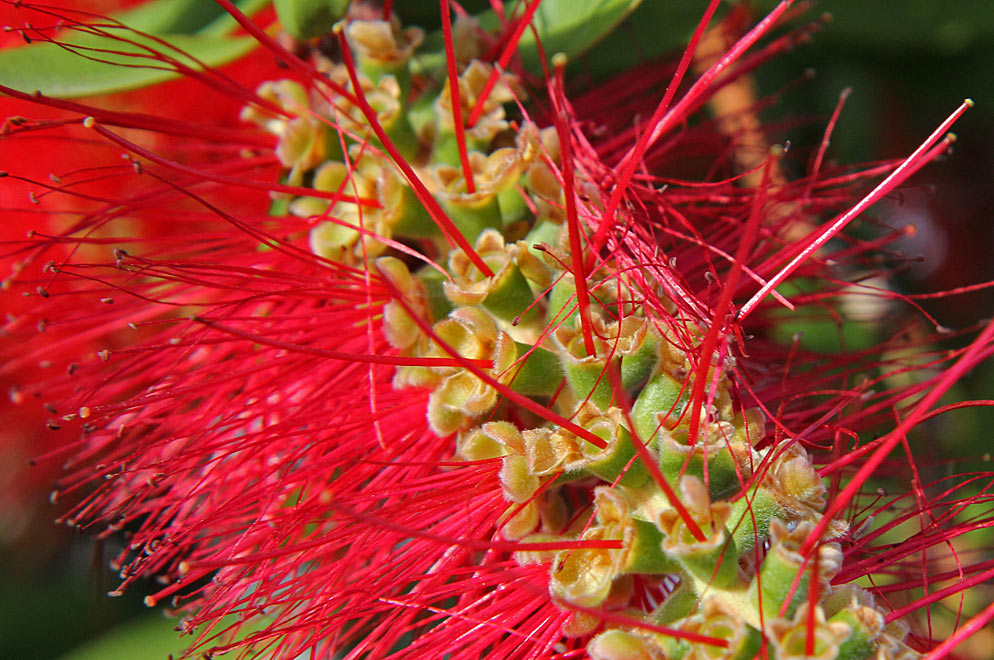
(436, 357)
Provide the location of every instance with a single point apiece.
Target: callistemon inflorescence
(476, 378)
(608, 429)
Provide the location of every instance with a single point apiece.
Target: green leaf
(170, 16)
(196, 27)
(306, 19)
(185, 16)
(564, 26)
(909, 26)
(154, 637)
(56, 71)
(653, 29)
(225, 23)
(571, 27)
(150, 638)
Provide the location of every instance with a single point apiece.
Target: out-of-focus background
(909, 64)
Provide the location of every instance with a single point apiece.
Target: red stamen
(430, 203)
(505, 391)
(967, 630)
(823, 147)
(661, 122)
(148, 122)
(935, 596)
(557, 94)
(286, 56)
(889, 441)
(387, 9)
(220, 178)
(723, 307)
(911, 164)
(397, 360)
(512, 44)
(456, 98)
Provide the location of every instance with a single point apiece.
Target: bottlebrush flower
(452, 362)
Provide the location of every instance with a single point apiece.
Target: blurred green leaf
(170, 16)
(185, 16)
(149, 638)
(224, 23)
(154, 637)
(61, 72)
(905, 25)
(306, 19)
(653, 29)
(564, 26)
(93, 64)
(571, 27)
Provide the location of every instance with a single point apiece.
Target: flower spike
(394, 353)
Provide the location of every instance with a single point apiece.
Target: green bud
(677, 458)
(609, 463)
(614, 644)
(859, 644)
(662, 399)
(472, 215)
(539, 375)
(679, 603)
(784, 563)
(438, 303)
(506, 293)
(637, 368)
(544, 231)
(722, 621)
(713, 560)
(750, 521)
(562, 301)
(512, 206)
(383, 48)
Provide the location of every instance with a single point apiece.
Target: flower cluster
(478, 368)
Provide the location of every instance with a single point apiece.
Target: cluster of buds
(584, 397)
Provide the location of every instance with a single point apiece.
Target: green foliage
(564, 26)
(149, 638)
(306, 19)
(183, 16)
(118, 59)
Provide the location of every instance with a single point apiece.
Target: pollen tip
(338, 27)
(84, 412)
(559, 60)
(969, 102)
(89, 122)
(150, 601)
